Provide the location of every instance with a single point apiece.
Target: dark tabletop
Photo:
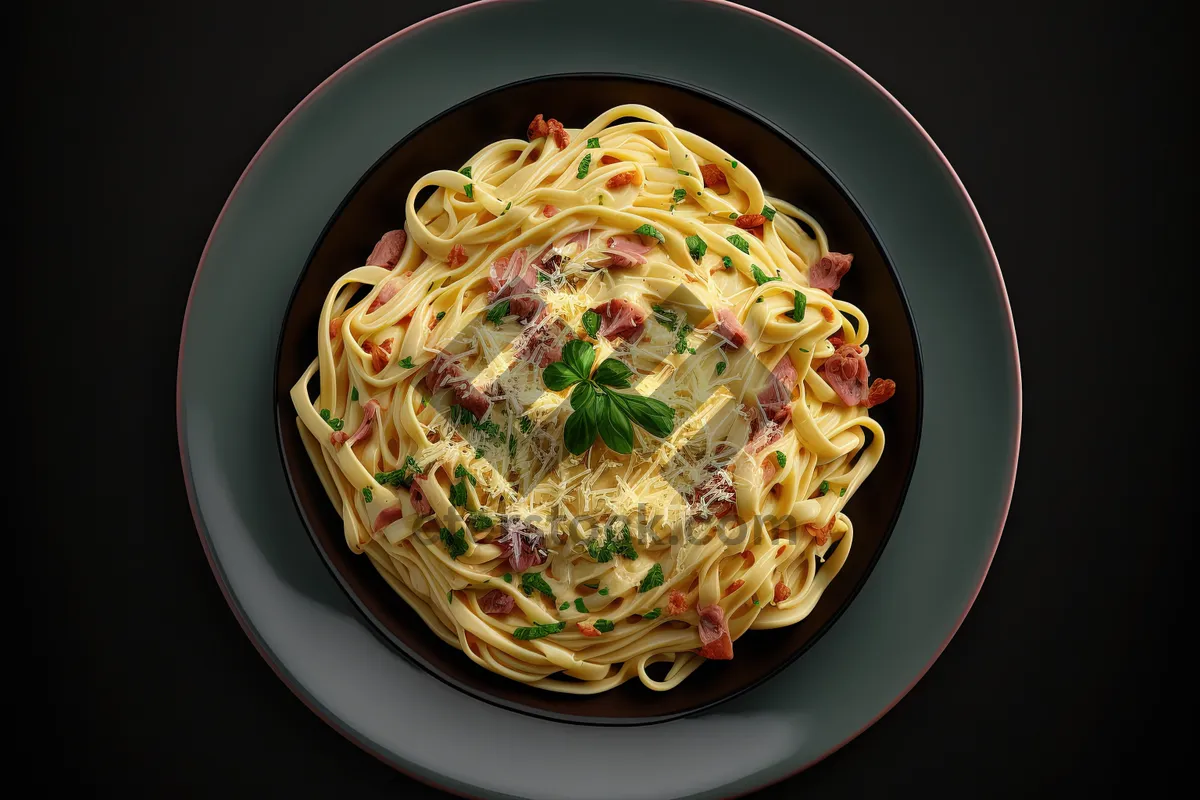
(1067, 124)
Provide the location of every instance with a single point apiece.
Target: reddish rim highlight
(248, 628)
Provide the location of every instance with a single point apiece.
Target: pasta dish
(593, 410)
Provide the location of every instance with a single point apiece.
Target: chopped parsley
(653, 579)
(461, 415)
(761, 277)
(696, 248)
(665, 317)
(756, 602)
(368, 495)
(591, 323)
(461, 472)
(683, 172)
(538, 631)
(655, 614)
(400, 477)
(759, 300)
(326, 414)
(456, 543)
(449, 597)
(354, 393)
(800, 302)
(579, 606)
(681, 345)
(506, 208)
(440, 316)
(508, 577)
(584, 166)
(615, 545)
(721, 367)
(465, 171)
(649, 230)
(405, 363)
(480, 521)
(769, 213)
(802, 349)
(526, 424)
(490, 430)
(824, 487)
(780, 459)
(458, 494)
(732, 163)
(512, 446)
(603, 592)
(593, 142)
(733, 215)
(534, 582)
(542, 277)
(604, 625)
(679, 195)
(564, 606)
(727, 261)
(469, 190)
(738, 241)
(498, 312)
(842, 493)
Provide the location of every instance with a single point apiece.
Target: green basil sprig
(597, 409)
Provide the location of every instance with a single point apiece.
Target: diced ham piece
(714, 178)
(821, 532)
(763, 432)
(549, 211)
(719, 492)
(677, 603)
(379, 353)
(416, 495)
(387, 516)
(513, 278)
(846, 373)
(558, 133)
(543, 344)
(748, 221)
(581, 239)
(837, 340)
(714, 634)
(729, 329)
(881, 390)
(627, 251)
(457, 257)
(776, 398)
(370, 411)
(335, 327)
(621, 318)
(338, 438)
(829, 270)
(445, 372)
(770, 466)
(606, 160)
(386, 293)
(497, 603)
(537, 129)
(620, 179)
(522, 544)
(587, 629)
(387, 251)
(782, 592)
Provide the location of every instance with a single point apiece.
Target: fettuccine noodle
(427, 416)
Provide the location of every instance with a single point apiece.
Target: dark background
(1066, 123)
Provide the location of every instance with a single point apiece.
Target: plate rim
(1004, 306)
(395, 642)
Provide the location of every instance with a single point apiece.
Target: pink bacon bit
(714, 634)
(458, 256)
(829, 270)
(416, 495)
(379, 353)
(497, 603)
(522, 544)
(718, 490)
(549, 211)
(370, 411)
(627, 251)
(730, 329)
(387, 251)
(338, 438)
(388, 291)
(446, 372)
(776, 398)
(335, 327)
(621, 318)
(387, 516)
(846, 373)
(881, 391)
(587, 629)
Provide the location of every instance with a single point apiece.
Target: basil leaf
(579, 355)
(653, 579)
(559, 376)
(679, 195)
(593, 142)
(612, 372)
(769, 213)
(465, 171)
(655, 416)
(615, 428)
(456, 543)
(538, 631)
(583, 395)
(584, 166)
(696, 248)
(801, 301)
(591, 323)
(650, 230)
(738, 241)
(534, 582)
(580, 430)
(497, 312)
(665, 317)
(761, 277)
(579, 606)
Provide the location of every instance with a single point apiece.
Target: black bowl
(787, 170)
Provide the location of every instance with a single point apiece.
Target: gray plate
(304, 625)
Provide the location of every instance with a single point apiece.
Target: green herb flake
(458, 494)
(584, 165)
(456, 543)
(579, 606)
(665, 317)
(732, 163)
(449, 597)
(679, 195)
(769, 213)
(593, 142)
(824, 487)
(354, 393)
(780, 459)
(508, 577)
(649, 230)
(761, 277)
(461, 415)
(653, 579)
(802, 349)
(799, 304)
(681, 345)
(542, 277)
(727, 261)
(465, 171)
(591, 323)
(336, 424)
(534, 582)
(498, 312)
(512, 446)
(604, 625)
(603, 592)
(481, 522)
(738, 241)
(696, 248)
(440, 316)
(538, 631)
(842, 493)
(756, 602)
(564, 606)
(759, 300)
(461, 472)
(592, 585)
(683, 172)
(655, 614)
(405, 363)
(733, 215)
(368, 495)
(326, 414)
(469, 190)
(526, 424)
(721, 367)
